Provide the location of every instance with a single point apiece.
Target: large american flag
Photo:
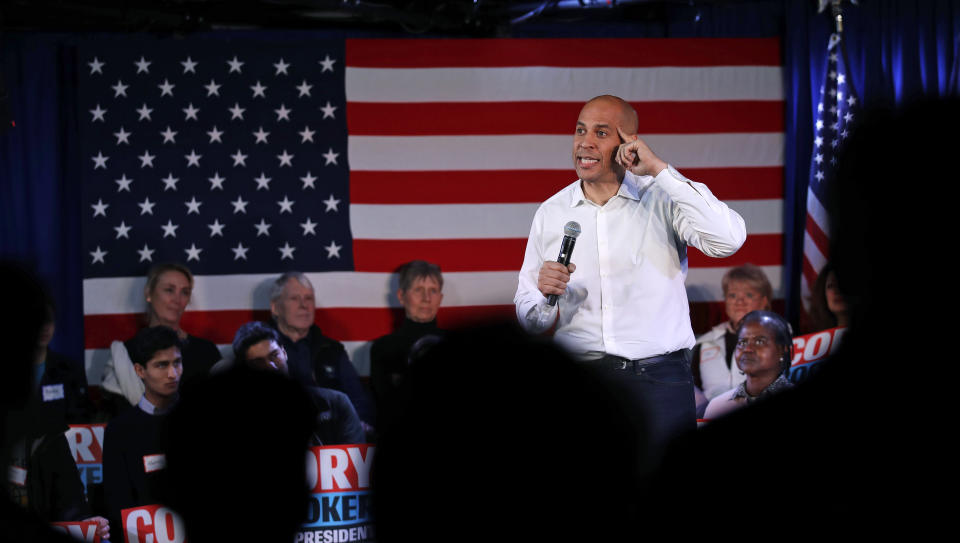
(344, 159)
(836, 111)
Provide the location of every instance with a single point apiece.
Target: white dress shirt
(627, 296)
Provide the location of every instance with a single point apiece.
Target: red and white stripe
(816, 245)
(454, 143)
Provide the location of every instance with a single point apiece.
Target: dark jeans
(662, 386)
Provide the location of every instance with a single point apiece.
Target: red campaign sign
(152, 524)
(86, 443)
(337, 468)
(81, 531)
(813, 347)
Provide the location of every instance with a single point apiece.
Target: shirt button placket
(603, 262)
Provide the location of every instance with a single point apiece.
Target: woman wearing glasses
(763, 353)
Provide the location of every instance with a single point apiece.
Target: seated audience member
(257, 346)
(763, 353)
(745, 289)
(42, 474)
(43, 478)
(134, 443)
(167, 293)
(523, 416)
(420, 293)
(19, 337)
(236, 458)
(828, 309)
(312, 358)
(61, 395)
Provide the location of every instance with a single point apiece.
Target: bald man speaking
(622, 302)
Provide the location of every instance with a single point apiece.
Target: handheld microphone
(570, 232)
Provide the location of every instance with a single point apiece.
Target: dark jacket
(54, 491)
(319, 361)
(131, 436)
(53, 487)
(389, 356)
(337, 421)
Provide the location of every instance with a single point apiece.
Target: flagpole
(837, 9)
(835, 114)
(837, 15)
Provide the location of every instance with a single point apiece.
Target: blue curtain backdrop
(897, 51)
(39, 179)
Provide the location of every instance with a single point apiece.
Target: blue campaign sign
(339, 478)
(339, 509)
(86, 446)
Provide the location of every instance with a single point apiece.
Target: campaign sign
(151, 524)
(81, 531)
(810, 350)
(339, 481)
(86, 446)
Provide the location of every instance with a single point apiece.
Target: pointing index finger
(625, 137)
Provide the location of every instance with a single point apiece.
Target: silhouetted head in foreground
(25, 301)
(503, 436)
(893, 212)
(857, 449)
(26, 306)
(236, 458)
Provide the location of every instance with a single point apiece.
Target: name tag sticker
(53, 392)
(154, 462)
(16, 475)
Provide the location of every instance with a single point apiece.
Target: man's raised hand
(634, 155)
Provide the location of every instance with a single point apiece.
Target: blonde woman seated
(763, 353)
(167, 293)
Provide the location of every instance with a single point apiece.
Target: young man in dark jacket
(134, 442)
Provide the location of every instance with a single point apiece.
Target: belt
(614, 362)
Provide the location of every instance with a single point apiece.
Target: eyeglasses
(758, 341)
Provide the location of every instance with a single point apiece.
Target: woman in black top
(167, 293)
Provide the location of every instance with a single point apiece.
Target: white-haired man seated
(314, 359)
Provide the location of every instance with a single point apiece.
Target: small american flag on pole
(836, 111)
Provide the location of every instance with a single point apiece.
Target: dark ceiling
(463, 17)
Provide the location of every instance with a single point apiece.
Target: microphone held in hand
(570, 232)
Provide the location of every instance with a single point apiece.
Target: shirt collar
(150, 409)
(577, 197)
(777, 385)
(630, 187)
(285, 340)
(410, 325)
(633, 185)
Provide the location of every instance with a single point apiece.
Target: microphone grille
(571, 229)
